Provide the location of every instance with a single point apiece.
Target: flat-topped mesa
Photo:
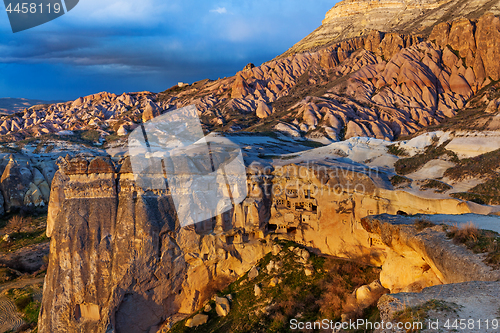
(349, 8)
(353, 18)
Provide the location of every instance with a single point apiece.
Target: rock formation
(378, 84)
(117, 249)
(352, 18)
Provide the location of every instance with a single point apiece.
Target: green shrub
(480, 166)
(399, 180)
(411, 164)
(25, 303)
(397, 151)
(91, 135)
(439, 187)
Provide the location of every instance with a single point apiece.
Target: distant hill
(12, 105)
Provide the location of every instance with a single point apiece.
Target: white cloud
(219, 10)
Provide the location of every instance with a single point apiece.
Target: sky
(126, 46)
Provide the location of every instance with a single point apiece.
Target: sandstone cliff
(120, 262)
(353, 18)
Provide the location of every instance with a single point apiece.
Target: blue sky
(125, 46)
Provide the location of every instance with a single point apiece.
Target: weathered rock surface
(387, 80)
(197, 320)
(120, 261)
(475, 301)
(352, 18)
(28, 259)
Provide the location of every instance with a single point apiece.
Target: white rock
(197, 320)
(257, 291)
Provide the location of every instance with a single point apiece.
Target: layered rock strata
(353, 18)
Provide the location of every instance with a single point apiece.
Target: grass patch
(398, 180)
(418, 314)
(411, 164)
(26, 303)
(422, 223)
(8, 274)
(397, 151)
(478, 241)
(90, 135)
(325, 294)
(438, 186)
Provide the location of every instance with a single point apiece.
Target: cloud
(219, 10)
(118, 46)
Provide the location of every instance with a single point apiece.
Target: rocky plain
(374, 141)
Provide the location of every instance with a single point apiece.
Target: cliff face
(120, 262)
(352, 18)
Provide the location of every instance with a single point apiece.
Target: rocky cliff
(353, 18)
(120, 262)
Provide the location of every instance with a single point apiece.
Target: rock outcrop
(352, 18)
(119, 261)
(384, 82)
(117, 249)
(24, 182)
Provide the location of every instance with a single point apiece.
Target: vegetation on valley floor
(408, 165)
(478, 241)
(27, 301)
(20, 229)
(419, 313)
(327, 293)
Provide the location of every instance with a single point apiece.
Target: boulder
(197, 320)
(257, 291)
(222, 306)
(263, 110)
(253, 273)
(309, 270)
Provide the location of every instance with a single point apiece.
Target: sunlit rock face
(353, 18)
(121, 262)
(119, 259)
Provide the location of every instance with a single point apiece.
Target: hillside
(354, 18)
(382, 85)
